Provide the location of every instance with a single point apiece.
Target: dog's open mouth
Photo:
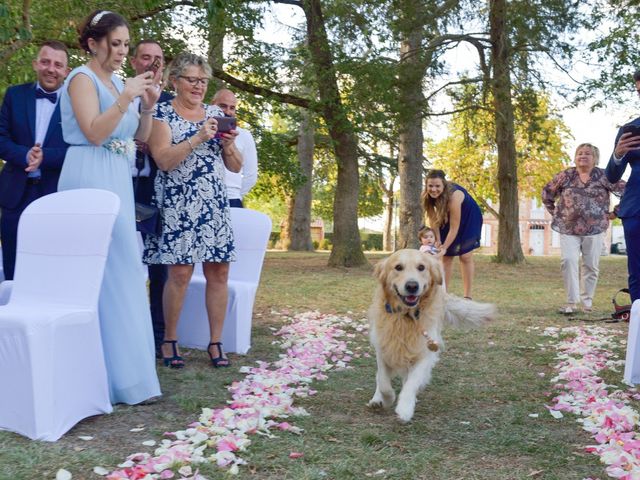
(410, 300)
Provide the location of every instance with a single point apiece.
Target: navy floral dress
(196, 223)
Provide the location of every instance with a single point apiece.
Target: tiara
(96, 19)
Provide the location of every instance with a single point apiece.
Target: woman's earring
(93, 52)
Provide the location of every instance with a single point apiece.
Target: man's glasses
(195, 80)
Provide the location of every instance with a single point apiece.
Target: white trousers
(580, 280)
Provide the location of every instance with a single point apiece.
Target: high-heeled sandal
(174, 361)
(218, 361)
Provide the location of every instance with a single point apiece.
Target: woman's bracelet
(122, 110)
(147, 111)
(190, 144)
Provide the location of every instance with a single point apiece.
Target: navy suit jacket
(630, 202)
(17, 136)
(164, 97)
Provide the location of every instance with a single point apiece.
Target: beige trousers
(580, 280)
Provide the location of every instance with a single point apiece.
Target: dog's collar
(389, 309)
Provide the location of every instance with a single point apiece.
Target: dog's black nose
(411, 287)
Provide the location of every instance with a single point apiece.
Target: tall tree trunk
(509, 248)
(347, 249)
(387, 233)
(216, 47)
(410, 76)
(300, 231)
(285, 230)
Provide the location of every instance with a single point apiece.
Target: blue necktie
(52, 97)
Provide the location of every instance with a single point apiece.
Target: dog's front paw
(404, 411)
(381, 399)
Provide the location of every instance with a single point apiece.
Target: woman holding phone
(190, 191)
(100, 121)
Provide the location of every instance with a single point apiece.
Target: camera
(225, 124)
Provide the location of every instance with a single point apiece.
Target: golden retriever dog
(409, 309)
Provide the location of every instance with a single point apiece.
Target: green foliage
(371, 241)
(469, 154)
(613, 54)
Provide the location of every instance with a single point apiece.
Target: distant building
(317, 230)
(536, 236)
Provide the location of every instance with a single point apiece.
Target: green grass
(472, 422)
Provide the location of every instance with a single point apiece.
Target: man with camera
(31, 143)
(627, 152)
(147, 55)
(238, 184)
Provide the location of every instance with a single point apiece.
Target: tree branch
(458, 110)
(262, 91)
(162, 8)
(295, 3)
(18, 44)
(448, 84)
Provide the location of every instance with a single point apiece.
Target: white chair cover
(52, 369)
(251, 232)
(632, 363)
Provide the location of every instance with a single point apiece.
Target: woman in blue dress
(457, 220)
(100, 121)
(190, 190)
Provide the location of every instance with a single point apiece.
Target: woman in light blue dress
(100, 121)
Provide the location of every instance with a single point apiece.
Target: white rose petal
(63, 475)
(534, 415)
(556, 413)
(149, 443)
(137, 429)
(100, 471)
(86, 438)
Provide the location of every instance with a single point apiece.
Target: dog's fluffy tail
(461, 312)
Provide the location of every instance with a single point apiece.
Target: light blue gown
(125, 321)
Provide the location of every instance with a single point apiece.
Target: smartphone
(225, 124)
(633, 129)
(154, 66)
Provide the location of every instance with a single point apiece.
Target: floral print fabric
(580, 208)
(196, 224)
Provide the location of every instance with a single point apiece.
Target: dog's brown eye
(420, 268)
(399, 267)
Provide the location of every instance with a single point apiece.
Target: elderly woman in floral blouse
(578, 199)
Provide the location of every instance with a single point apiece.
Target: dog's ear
(379, 270)
(436, 272)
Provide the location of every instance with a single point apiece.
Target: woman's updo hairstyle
(98, 25)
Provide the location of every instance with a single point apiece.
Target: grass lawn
(472, 422)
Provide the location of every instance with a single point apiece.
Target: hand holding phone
(634, 130)
(154, 66)
(225, 124)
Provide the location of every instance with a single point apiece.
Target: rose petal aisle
(314, 345)
(604, 410)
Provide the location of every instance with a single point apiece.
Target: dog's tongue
(411, 298)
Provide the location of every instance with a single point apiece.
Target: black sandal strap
(220, 360)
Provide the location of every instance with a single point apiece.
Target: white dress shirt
(44, 112)
(239, 184)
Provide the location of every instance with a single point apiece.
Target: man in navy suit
(143, 56)
(31, 143)
(627, 151)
